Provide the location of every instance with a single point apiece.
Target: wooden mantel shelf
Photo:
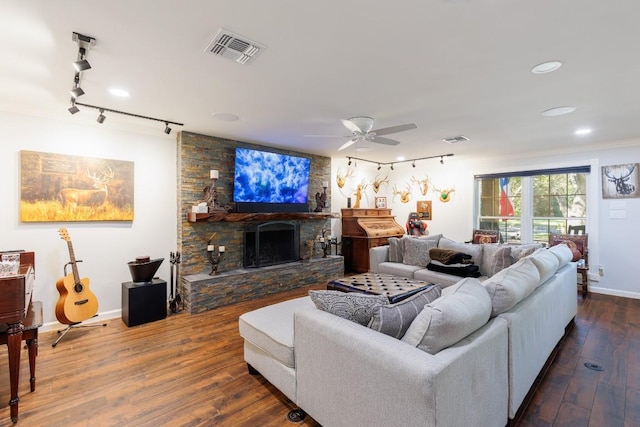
(266, 216)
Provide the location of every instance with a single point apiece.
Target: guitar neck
(74, 266)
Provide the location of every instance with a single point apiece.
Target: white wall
(104, 247)
(612, 242)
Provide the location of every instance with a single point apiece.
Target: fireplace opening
(271, 243)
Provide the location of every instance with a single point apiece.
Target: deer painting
(74, 197)
(622, 187)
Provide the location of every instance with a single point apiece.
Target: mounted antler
(405, 196)
(377, 182)
(444, 195)
(423, 184)
(359, 192)
(341, 179)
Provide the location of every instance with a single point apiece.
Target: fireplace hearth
(271, 243)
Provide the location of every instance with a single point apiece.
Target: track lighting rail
(124, 113)
(413, 161)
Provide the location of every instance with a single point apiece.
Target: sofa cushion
(396, 249)
(495, 258)
(398, 269)
(352, 306)
(512, 285)
(394, 319)
(546, 263)
(416, 252)
(450, 318)
(468, 248)
(563, 253)
(270, 328)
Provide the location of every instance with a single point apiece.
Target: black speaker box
(144, 302)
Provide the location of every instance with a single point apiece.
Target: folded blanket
(460, 270)
(449, 256)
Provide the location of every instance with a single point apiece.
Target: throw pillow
(352, 306)
(396, 249)
(495, 258)
(575, 252)
(523, 250)
(394, 319)
(450, 318)
(467, 248)
(512, 285)
(434, 237)
(480, 236)
(416, 252)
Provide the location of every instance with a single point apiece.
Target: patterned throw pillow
(416, 252)
(495, 258)
(352, 306)
(394, 319)
(396, 249)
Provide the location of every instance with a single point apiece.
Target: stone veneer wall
(196, 155)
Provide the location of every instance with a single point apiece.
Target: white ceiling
(454, 67)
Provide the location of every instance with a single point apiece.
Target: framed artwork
(381, 202)
(621, 181)
(424, 209)
(59, 187)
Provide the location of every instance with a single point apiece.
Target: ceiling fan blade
(351, 126)
(347, 144)
(386, 141)
(394, 129)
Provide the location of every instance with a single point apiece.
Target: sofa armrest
(342, 366)
(378, 255)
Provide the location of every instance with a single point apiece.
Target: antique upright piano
(363, 229)
(15, 298)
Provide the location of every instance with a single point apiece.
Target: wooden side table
(584, 272)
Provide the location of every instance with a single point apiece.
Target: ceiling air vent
(456, 139)
(234, 47)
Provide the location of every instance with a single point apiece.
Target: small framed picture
(424, 209)
(381, 202)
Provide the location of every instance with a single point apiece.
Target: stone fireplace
(271, 243)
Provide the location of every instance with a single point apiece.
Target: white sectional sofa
(344, 373)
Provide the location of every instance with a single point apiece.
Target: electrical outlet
(601, 270)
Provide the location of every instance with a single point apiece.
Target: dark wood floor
(187, 370)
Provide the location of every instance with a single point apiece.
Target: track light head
(73, 109)
(76, 92)
(349, 164)
(441, 160)
(167, 129)
(101, 118)
(81, 64)
(391, 166)
(413, 164)
(379, 166)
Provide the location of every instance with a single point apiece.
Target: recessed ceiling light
(558, 111)
(119, 92)
(225, 117)
(584, 131)
(546, 67)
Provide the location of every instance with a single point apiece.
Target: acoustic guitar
(76, 303)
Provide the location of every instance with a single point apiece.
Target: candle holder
(214, 260)
(325, 248)
(321, 200)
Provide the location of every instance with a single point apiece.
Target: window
(528, 206)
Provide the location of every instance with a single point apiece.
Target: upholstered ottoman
(396, 288)
(268, 342)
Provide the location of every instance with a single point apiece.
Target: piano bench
(31, 323)
(396, 288)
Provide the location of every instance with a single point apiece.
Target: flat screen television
(270, 182)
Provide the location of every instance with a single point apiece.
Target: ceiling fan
(361, 130)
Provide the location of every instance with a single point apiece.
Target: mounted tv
(270, 182)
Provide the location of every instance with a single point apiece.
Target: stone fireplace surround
(197, 154)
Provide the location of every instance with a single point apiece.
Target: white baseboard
(614, 292)
(101, 317)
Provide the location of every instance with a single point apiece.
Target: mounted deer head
(444, 195)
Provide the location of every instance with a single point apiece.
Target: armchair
(579, 245)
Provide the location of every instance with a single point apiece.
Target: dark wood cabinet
(363, 229)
